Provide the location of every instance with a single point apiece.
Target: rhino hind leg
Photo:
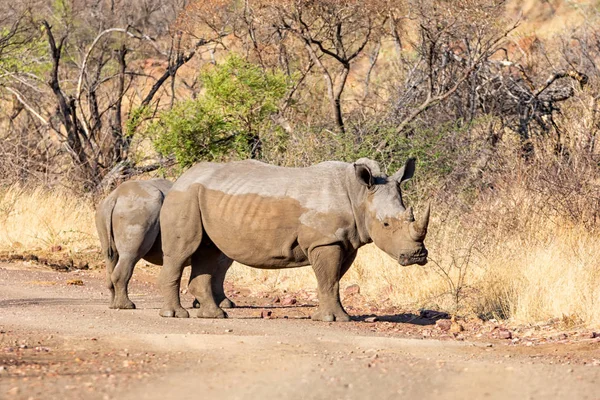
(209, 266)
(181, 234)
(111, 262)
(217, 282)
(170, 280)
(328, 263)
(225, 303)
(120, 278)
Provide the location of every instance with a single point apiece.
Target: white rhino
(273, 217)
(128, 226)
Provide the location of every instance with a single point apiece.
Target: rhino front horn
(418, 229)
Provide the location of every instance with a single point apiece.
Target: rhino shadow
(405, 318)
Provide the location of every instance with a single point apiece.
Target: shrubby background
(498, 100)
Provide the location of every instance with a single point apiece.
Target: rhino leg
(120, 278)
(327, 263)
(110, 267)
(217, 285)
(181, 230)
(347, 263)
(207, 264)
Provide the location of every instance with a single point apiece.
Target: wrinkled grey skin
(272, 217)
(128, 226)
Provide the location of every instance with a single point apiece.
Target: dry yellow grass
(500, 260)
(38, 219)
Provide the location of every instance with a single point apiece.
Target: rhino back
(161, 184)
(135, 218)
(268, 216)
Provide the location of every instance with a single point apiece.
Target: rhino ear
(364, 175)
(406, 172)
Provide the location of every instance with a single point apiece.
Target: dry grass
(39, 219)
(502, 259)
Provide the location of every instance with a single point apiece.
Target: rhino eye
(386, 224)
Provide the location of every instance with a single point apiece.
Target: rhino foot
(330, 316)
(226, 303)
(205, 312)
(122, 305)
(176, 313)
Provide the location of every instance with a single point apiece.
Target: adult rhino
(272, 217)
(127, 221)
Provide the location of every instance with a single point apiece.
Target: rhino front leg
(327, 263)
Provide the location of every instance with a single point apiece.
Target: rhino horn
(418, 229)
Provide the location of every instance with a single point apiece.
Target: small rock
(504, 334)
(443, 324)
(456, 327)
(266, 314)
(276, 299)
(426, 333)
(594, 335)
(289, 301)
(56, 248)
(14, 391)
(228, 330)
(3, 370)
(371, 319)
(75, 282)
(352, 289)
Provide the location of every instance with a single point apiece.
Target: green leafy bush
(227, 120)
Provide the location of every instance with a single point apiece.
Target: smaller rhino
(128, 225)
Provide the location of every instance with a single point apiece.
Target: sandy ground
(60, 341)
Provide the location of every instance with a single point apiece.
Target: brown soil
(60, 340)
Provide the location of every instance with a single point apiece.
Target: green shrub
(228, 118)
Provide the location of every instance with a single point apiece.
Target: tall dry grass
(513, 253)
(39, 219)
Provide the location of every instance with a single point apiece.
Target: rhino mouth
(419, 258)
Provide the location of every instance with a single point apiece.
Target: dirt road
(60, 341)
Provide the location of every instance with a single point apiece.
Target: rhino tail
(104, 225)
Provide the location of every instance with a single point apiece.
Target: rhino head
(390, 225)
